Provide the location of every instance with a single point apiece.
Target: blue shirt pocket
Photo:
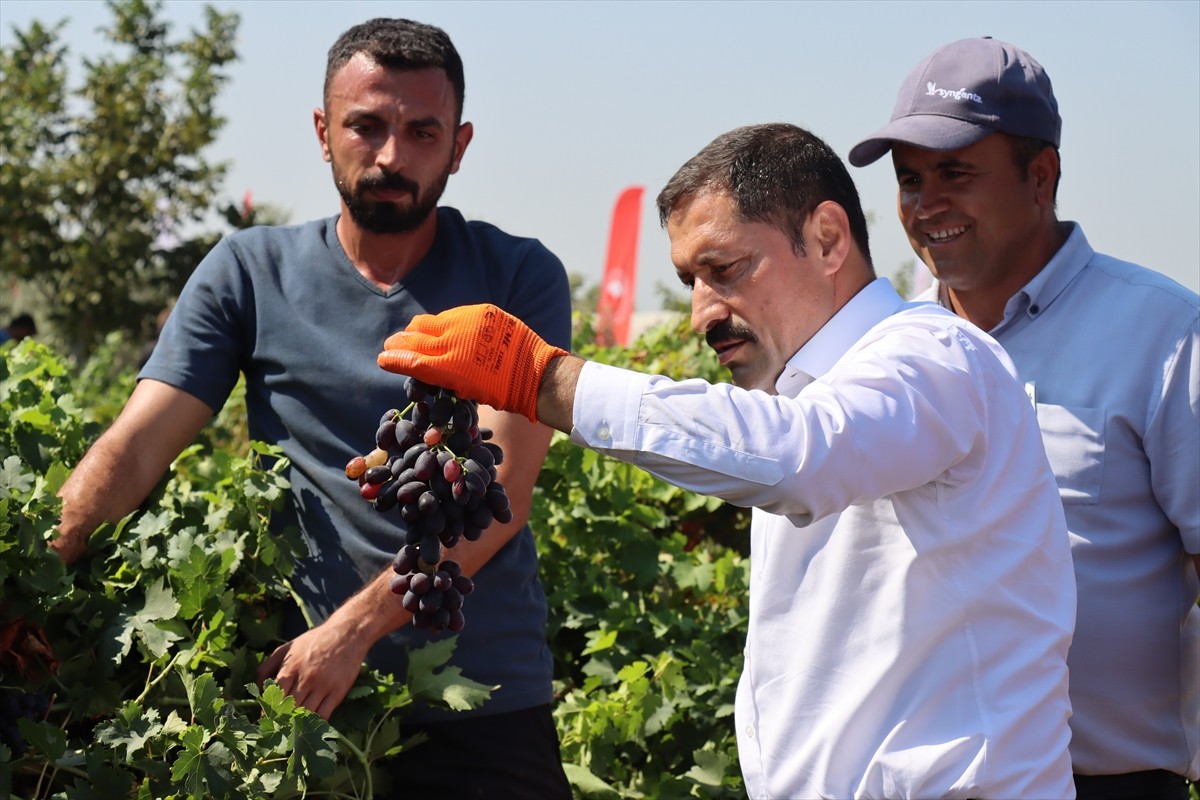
(1074, 439)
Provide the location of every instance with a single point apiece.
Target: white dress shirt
(912, 597)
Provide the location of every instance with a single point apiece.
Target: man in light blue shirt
(1109, 354)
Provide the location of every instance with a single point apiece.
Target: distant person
(301, 311)
(1110, 355)
(911, 596)
(18, 328)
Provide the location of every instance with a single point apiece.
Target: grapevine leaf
(158, 638)
(130, 731)
(429, 657)
(273, 698)
(588, 784)
(49, 739)
(219, 779)
(204, 697)
(14, 479)
(198, 577)
(313, 754)
(190, 767)
(710, 768)
(600, 640)
(450, 689)
(117, 638)
(160, 605)
(446, 687)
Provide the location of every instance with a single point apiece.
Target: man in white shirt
(912, 599)
(1110, 352)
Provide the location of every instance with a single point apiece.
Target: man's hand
(317, 668)
(479, 352)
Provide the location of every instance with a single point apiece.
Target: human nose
(923, 201)
(390, 155)
(708, 310)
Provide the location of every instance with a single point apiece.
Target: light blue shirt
(1110, 352)
(911, 598)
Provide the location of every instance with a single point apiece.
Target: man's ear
(462, 138)
(322, 131)
(828, 236)
(1043, 172)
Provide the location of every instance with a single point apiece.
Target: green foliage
(147, 648)
(647, 608)
(155, 636)
(97, 180)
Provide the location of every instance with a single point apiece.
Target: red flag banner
(619, 284)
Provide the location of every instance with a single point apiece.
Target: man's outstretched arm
(120, 470)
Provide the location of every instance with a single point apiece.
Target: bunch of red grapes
(435, 465)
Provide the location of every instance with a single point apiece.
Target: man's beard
(383, 216)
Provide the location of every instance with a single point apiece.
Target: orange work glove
(479, 352)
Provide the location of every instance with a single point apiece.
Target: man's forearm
(124, 464)
(104, 487)
(556, 394)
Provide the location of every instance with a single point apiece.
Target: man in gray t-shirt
(391, 129)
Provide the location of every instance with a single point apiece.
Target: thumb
(397, 360)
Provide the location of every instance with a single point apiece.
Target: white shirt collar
(875, 302)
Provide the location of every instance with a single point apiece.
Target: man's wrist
(556, 392)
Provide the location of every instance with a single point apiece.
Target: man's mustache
(390, 181)
(729, 331)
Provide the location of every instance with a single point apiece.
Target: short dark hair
(1025, 149)
(776, 173)
(399, 44)
(24, 321)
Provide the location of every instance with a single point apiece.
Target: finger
(395, 341)
(328, 705)
(397, 361)
(270, 667)
(427, 324)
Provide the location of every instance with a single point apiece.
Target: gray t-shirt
(285, 306)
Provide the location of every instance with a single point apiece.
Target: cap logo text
(931, 88)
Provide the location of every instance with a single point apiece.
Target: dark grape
(426, 465)
(415, 390)
(421, 583)
(412, 490)
(459, 442)
(441, 411)
(377, 474)
(385, 436)
(406, 560)
(431, 601)
(388, 496)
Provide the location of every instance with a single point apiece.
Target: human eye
(362, 125)
(727, 272)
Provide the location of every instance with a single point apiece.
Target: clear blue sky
(573, 101)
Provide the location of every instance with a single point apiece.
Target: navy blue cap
(963, 92)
